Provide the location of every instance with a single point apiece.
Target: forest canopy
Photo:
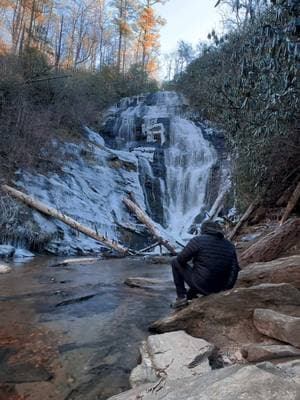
(246, 82)
(62, 63)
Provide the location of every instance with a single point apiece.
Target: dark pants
(182, 275)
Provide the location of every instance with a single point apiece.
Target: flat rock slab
(292, 369)
(145, 283)
(250, 382)
(260, 352)
(173, 356)
(282, 270)
(227, 318)
(279, 326)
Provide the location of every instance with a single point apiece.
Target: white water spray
(188, 156)
(188, 164)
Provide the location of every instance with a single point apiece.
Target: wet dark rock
(117, 163)
(22, 372)
(76, 300)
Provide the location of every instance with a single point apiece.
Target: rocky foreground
(239, 344)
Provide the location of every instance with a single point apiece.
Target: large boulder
(226, 318)
(278, 326)
(250, 382)
(172, 355)
(263, 352)
(282, 270)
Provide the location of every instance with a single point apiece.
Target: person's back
(215, 265)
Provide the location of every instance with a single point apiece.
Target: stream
(73, 332)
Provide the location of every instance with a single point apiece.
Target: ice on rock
(88, 190)
(151, 151)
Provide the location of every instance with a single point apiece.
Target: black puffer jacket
(214, 259)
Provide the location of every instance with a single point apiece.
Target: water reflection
(99, 320)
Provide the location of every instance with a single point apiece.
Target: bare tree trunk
(274, 244)
(291, 204)
(121, 12)
(144, 219)
(22, 38)
(244, 218)
(30, 29)
(52, 212)
(58, 48)
(17, 24)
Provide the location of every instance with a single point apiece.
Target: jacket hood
(212, 228)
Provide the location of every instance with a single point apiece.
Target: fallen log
(273, 244)
(52, 212)
(146, 283)
(147, 248)
(243, 219)
(218, 204)
(291, 204)
(144, 219)
(72, 261)
(280, 270)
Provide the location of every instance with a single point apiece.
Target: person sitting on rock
(215, 265)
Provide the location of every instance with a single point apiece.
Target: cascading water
(188, 161)
(147, 148)
(186, 158)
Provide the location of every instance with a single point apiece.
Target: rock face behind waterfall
(146, 147)
(176, 161)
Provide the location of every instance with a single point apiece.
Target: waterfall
(188, 161)
(148, 147)
(174, 180)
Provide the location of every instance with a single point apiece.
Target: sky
(189, 20)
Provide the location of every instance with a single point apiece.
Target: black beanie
(212, 228)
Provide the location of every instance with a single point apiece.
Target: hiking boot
(180, 303)
(192, 294)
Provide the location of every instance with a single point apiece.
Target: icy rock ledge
(17, 253)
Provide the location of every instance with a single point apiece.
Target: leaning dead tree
(52, 212)
(291, 204)
(243, 219)
(274, 244)
(146, 220)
